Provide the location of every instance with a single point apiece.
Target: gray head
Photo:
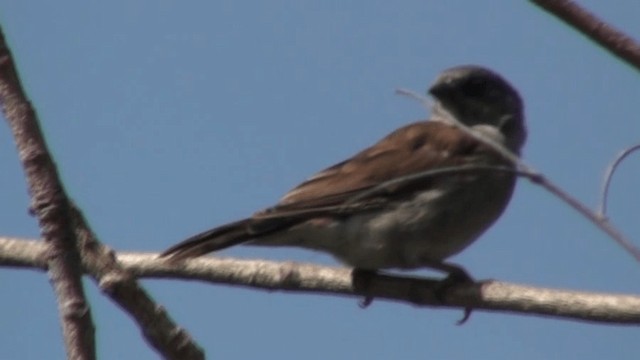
(478, 96)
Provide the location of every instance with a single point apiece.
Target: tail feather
(211, 240)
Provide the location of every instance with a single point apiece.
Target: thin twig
(50, 205)
(504, 152)
(609, 174)
(615, 41)
(535, 176)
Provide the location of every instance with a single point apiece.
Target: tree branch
(605, 35)
(51, 206)
(306, 278)
(65, 232)
(160, 331)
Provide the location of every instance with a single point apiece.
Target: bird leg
(361, 280)
(456, 276)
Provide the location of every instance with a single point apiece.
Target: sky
(166, 118)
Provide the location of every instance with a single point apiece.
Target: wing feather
(415, 148)
(411, 149)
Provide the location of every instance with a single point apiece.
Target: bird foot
(457, 276)
(361, 280)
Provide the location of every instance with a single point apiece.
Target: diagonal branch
(63, 228)
(51, 206)
(160, 331)
(605, 35)
(306, 278)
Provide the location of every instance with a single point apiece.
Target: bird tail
(211, 240)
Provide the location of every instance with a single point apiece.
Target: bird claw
(361, 279)
(365, 302)
(456, 277)
(465, 316)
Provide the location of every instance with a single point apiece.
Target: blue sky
(166, 118)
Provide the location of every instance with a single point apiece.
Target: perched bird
(407, 225)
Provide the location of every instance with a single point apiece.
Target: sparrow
(412, 224)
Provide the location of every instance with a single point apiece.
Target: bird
(347, 211)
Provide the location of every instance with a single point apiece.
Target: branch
(160, 331)
(605, 35)
(304, 278)
(65, 232)
(51, 206)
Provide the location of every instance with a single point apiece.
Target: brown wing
(411, 149)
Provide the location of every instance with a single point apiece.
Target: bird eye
(475, 87)
(479, 88)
